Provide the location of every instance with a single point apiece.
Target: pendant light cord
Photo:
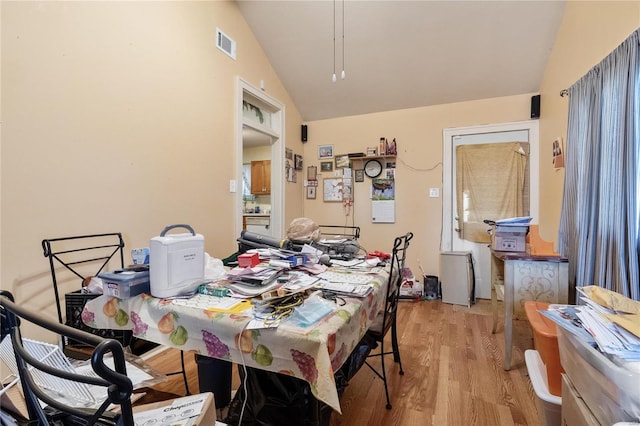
(343, 73)
(334, 42)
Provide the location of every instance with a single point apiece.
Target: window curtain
(599, 223)
(490, 180)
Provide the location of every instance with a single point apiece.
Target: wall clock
(373, 168)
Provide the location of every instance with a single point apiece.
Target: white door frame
(448, 225)
(276, 131)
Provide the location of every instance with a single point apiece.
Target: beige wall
(120, 116)
(589, 31)
(418, 132)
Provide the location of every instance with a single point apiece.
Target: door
(260, 122)
(451, 241)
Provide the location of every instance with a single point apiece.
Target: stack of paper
(515, 221)
(601, 322)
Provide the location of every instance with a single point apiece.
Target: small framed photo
(312, 173)
(298, 162)
(288, 153)
(325, 151)
(326, 166)
(311, 192)
(342, 161)
(359, 175)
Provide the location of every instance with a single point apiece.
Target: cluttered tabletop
(276, 310)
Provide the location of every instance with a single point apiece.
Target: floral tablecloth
(313, 356)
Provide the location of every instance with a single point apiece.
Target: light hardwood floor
(453, 373)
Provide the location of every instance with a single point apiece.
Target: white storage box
(549, 406)
(176, 262)
(611, 392)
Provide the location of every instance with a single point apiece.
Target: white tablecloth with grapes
(313, 356)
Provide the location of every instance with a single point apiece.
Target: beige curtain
(490, 185)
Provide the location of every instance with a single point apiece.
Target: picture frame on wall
(298, 161)
(325, 151)
(359, 175)
(342, 161)
(326, 166)
(312, 173)
(332, 189)
(311, 192)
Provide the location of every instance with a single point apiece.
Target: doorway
(525, 131)
(259, 139)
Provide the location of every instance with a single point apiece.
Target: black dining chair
(386, 318)
(84, 257)
(44, 380)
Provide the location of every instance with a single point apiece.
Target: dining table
(312, 353)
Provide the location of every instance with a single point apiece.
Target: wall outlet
(434, 192)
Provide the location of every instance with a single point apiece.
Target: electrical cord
(244, 368)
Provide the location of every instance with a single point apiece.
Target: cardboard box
(248, 260)
(179, 411)
(13, 402)
(124, 284)
(509, 238)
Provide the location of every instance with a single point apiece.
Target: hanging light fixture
(343, 74)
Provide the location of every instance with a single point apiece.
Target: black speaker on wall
(535, 106)
(303, 133)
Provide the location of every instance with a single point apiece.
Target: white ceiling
(403, 54)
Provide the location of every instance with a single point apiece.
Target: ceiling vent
(226, 44)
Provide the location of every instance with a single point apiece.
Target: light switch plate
(232, 185)
(434, 192)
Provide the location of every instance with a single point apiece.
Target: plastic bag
(213, 268)
(303, 229)
(277, 400)
(310, 312)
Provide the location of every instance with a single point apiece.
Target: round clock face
(373, 168)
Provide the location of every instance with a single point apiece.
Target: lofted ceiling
(403, 54)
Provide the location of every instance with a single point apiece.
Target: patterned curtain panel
(490, 181)
(599, 222)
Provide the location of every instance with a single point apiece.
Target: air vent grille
(225, 43)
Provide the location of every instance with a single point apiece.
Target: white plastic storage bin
(611, 392)
(456, 273)
(549, 406)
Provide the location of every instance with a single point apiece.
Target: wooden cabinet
(261, 177)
